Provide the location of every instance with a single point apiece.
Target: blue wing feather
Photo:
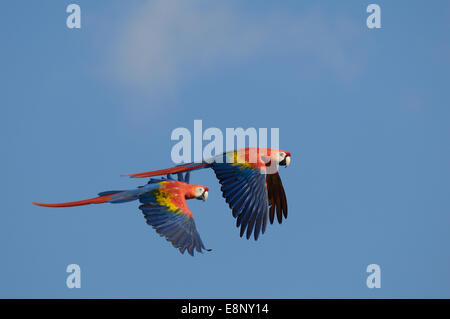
(244, 189)
(177, 227)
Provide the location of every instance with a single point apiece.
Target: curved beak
(204, 195)
(288, 160)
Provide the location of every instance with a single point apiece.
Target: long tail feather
(96, 200)
(172, 170)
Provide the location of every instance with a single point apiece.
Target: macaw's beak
(286, 161)
(204, 196)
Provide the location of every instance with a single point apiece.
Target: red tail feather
(172, 170)
(96, 200)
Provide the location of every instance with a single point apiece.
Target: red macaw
(250, 183)
(164, 207)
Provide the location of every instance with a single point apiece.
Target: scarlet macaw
(164, 207)
(250, 183)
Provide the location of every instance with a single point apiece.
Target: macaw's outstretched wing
(245, 192)
(167, 212)
(244, 189)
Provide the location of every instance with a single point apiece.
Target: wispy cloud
(165, 42)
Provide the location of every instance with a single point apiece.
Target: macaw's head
(198, 192)
(284, 158)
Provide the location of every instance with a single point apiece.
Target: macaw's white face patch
(201, 193)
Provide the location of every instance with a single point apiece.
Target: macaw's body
(164, 207)
(251, 185)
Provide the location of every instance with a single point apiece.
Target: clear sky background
(365, 114)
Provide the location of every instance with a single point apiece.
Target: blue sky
(363, 112)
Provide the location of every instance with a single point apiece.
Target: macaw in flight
(164, 207)
(250, 183)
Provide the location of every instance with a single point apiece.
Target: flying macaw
(164, 207)
(250, 183)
